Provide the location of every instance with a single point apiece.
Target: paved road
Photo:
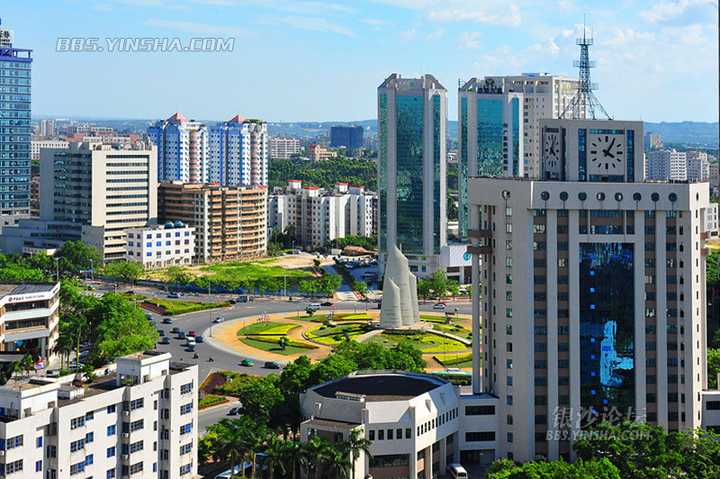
(210, 416)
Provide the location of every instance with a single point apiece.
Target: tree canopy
(325, 174)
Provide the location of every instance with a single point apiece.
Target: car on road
(247, 362)
(161, 332)
(234, 411)
(314, 305)
(191, 333)
(149, 316)
(271, 365)
(326, 303)
(219, 319)
(440, 306)
(174, 295)
(167, 321)
(164, 340)
(199, 339)
(175, 330)
(181, 334)
(190, 348)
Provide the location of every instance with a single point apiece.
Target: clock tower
(592, 150)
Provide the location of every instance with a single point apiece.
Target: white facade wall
(161, 246)
(284, 148)
(666, 165)
(134, 423)
(698, 166)
(37, 145)
(30, 313)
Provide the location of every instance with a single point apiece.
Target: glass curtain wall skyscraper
(412, 118)
(15, 68)
(491, 130)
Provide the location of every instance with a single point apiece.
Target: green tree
(591, 469)
(439, 283)
(283, 342)
(76, 256)
(77, 314)
(361, 287)
(178, 275)
(712, 273)
(124, 329)
(276, 451)
(423, 288)
(233, 441)
(259, 396)
(713, 366)
(128, 271)
(356, 444)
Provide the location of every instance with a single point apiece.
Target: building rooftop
(380, 386)
(25, 288)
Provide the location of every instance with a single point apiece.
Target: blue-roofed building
(349, 137)
(15, 67)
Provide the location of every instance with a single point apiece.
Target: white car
(440, 306)
(191, 341)
(219, 319)
(315, 305)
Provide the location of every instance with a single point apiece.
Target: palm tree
(314, 456)
(356, 443)
(63, 347)
(337, 457)
(230, 446)
(283, 342)
(277, 454)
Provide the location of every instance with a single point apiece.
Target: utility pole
(57, 270)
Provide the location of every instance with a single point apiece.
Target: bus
(456, 471)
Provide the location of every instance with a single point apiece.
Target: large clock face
(606, 153)
(551, 149)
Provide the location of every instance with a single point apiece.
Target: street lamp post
(57, 269)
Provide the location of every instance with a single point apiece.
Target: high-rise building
(15, 67)
(412, 122)
(698, 165)
(590, 291)
(46, 128)
(317, 216)
(91, 193)
(238, 153)
(666, 165)
(653, 141)
(182, 149)
(142, 417)
(545, 96)
(230, 221)
(349, 137)
(491, 135)
(283, 148)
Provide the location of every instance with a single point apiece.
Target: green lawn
(173, 307)
(267, 329)
(461, 360)
(426, 342)
(431, 318)
(336, 334)
(352, 317)
(252, 271)
(267, 344)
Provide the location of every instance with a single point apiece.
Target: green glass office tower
(15, 132)
(412, 117)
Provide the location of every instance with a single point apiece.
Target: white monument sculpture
(399, 305)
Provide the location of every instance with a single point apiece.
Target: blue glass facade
(607, 330)
(582, 155)
(490, 131)
(410, 113)
(515, 110)
(463, 213)
(15, 68)
(437, 178)
(630, 142)
(351, 137)
(382, 167)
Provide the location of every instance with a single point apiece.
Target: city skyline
(654, 44)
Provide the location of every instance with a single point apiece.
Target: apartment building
(663, 165)
(29, 318)
(230, 222)
(91, 193)
(283, 148)
(238, 152)
(318, 152)
(160, 246)
(348, 137)
(37, 145)
(698, 165)
(318, 216)
(139, 421)
(182, 149)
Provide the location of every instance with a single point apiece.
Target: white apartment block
(545, 96)
(664, 165)
(29, 318)
(138, 422)
(238, 153)
(89, 192)
(182, 149)
(160, 246)
(37, 145)
(698, 166)
(283, 148)
(320, 216)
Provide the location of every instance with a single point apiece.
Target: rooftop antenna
(584, 104)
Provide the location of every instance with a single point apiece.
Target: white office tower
(591, 291)
(666, 165)
(182, 146)
(412, 121)
(698, 166)
(138, 421)
(400, 306)
(239, 153)
(491, 135)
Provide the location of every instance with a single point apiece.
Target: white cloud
(435, 34)
(672, 10)
(196, 27)
(408, 35)
(490, 12)
(313, 24)
(470, 40)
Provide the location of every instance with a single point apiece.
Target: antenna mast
(584, 104)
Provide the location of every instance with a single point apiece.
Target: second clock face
(606, 154)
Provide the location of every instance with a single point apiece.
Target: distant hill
(686, 133)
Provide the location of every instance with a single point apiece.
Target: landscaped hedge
(276, 340)
(211, 400)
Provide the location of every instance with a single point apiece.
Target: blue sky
(322, 60)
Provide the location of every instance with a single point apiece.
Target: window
(480, 436)
(77, 468)
(187, 428)
(135, 468)
(186, 469)
(38, 466)
(408, 434)
(186, 388)
(110, 474)
(371, 435)
(186, 408)
(381, 435)
(479, 410)
(136, 404)
(77, 445)
(89, 437)
(13, 442)
(111, 451)
(136, 425)
(77, 422)
(186, 448)
(111, 430)
(39, 441)
(136, 446)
